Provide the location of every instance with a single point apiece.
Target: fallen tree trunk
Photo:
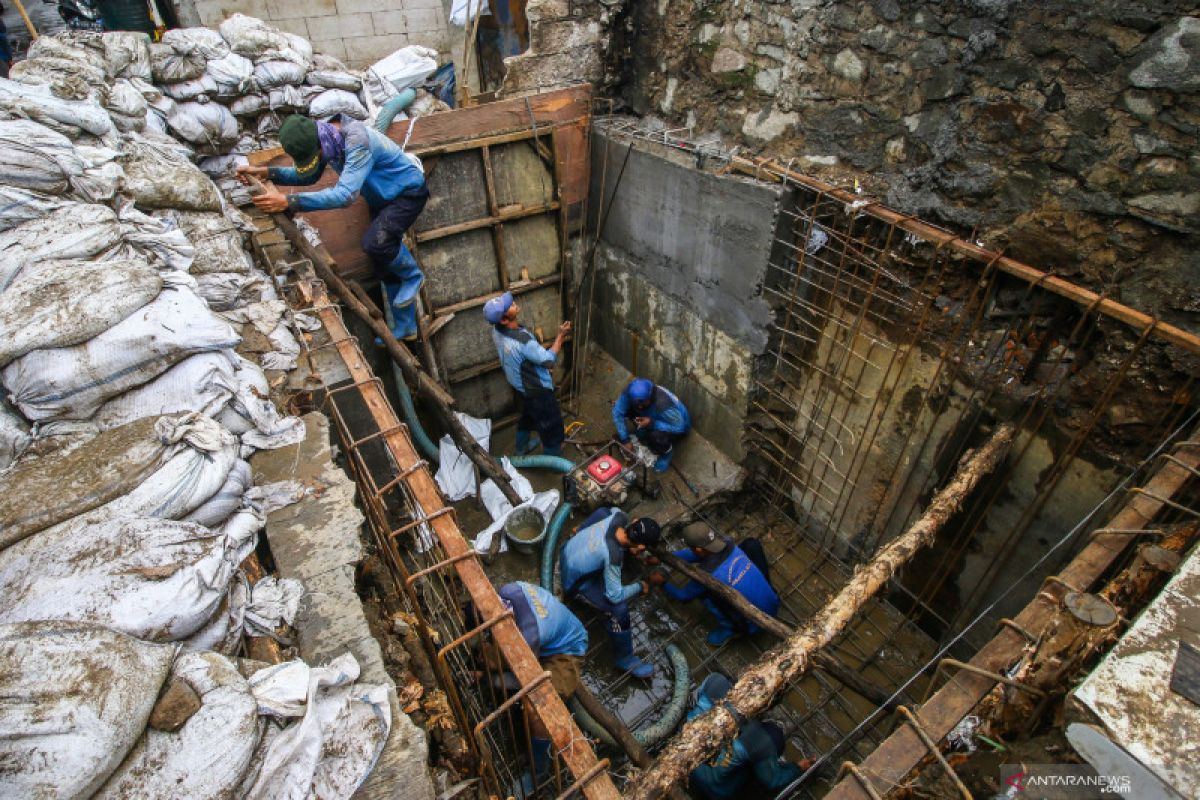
(761, 683)
(363, 307)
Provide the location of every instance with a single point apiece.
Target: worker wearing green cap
(368, 164)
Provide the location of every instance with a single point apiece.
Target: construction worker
(527, 366)
(368, 163)
(590, 564)
(742, 568)
(658, 416)
(755, 753)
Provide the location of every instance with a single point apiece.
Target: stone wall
(567, 43)
(1060, 132)
(358, 32)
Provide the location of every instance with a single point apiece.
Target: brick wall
(358, 32)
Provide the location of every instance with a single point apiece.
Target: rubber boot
(720, 635)
(663, 462)
(540, 749)
(625, 660)
(553, 451)
(525, 443)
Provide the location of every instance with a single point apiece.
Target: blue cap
(495, 309)
(641, 390)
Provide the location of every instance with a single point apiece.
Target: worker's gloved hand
(271, 202)
(658, 577)
(245, 172)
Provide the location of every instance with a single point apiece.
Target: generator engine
(605, 477)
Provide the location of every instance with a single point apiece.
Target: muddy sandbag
(127, 54)
(205, 41)
(248, 105)
(18, 206)
(73, 382)
(218, 242)
(232, 73)
(75, 230)
(157, 178)
(223, 631)
(251, 413)
(37, 103)
(251, 37)
(74, 700)
(332, 102)
(207, 757)
(68, 483)
(126, 100)
(226, 290)
(269, 74)
(66, 49)
(63, 303)
(168, 65)
(191, 90)
(14, 436)
(34, 157)
(201, 383)
(334, 79)
(228, 499)
(159, 580)
(158, 239)
(210, 124)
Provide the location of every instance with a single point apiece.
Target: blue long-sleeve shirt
(526, 363)
(595, 549)
(546, 624)
(373, 166)
(733, 568)
(666, 412)
(752, 752)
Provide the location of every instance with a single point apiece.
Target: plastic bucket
(525, 529)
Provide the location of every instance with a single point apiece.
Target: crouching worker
(755, 754)
(559, 640)
(368, 163)
(590, 564)
(527, 367)
(742, 568)
(658, 416)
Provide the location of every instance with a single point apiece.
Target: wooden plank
(545, 702)
(498, 217)
(521, 287)
(489, 180)
(895, 757)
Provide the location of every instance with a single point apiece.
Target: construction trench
(976, 483)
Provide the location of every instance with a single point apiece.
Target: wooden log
(761, 683)
(360, 303)
(260, 648)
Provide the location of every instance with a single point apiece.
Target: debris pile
(131, 405)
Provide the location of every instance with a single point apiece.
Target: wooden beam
(498, 217)
(760, 684)
(519, 287)
(895, 757)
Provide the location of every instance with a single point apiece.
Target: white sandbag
(225, 290)
(219, 245)
(169, 65)
(223, 631)
(159, 238)
(14, 436)
(228, 499)
(124, 98)
(64, 303)
(251, 37)
(274, 602)
(201, 383)
(205, 759)
(158, 580)
(269, 74)
(38, 104)
(74, 699)
(221, 166)
(205, 41)
(336, 101)
(334, 79)
(66, 78)
(251, 414)
(127, 54)
(158, 178)
(231, 73)
(69, 481)
(191, 90)
(156, 122)
(285, 97)
(18, 206)
(34, 157)
(62, 47)
(131, 124)
(74, 231)
(248, 105)
(102, 174)
(73, 382)
(331, 750)
(407, 66)
(209, 124)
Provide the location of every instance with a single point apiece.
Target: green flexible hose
(661, 728)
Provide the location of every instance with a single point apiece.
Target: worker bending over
(659, 418)
(755, 753)
(742, 568)
(368, 163)
(590, 564)
(527, 366)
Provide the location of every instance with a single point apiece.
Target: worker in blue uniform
(590, 564)
(755, 753)
(527, 367)
(742, 568)
(659, 418)
(368, 164)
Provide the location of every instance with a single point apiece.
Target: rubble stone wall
(1063, 133)
(568, 40)
(358, 32)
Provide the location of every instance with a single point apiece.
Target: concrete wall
(358, 32)
(679, 280)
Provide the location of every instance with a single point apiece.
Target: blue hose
(393, 106)
(552, 463)
(406, 401)
(661, 728)
(550, 546)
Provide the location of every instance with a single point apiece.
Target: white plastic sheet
(499, 508)
(74, 699)
(456, 472)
